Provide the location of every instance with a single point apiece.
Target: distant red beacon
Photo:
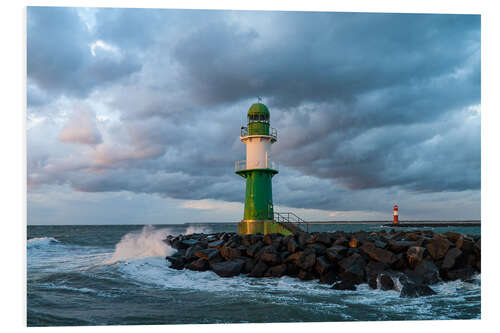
(396, 216)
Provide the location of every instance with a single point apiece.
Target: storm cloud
(370, 108)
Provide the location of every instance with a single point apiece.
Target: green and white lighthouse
(258, 170)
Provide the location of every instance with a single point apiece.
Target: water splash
(146, 243)
(197, 229)
(41, 242)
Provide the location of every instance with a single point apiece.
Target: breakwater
(407, 261)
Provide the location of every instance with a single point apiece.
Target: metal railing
(267, 164)
(273, 132)
(289, 217)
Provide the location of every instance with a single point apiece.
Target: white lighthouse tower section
(258, 151)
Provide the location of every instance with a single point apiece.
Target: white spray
(147, 243)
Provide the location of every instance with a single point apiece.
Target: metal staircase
(291, 222)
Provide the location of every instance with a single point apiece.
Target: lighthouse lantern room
(258, 170)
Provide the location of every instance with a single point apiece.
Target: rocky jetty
(407, 261)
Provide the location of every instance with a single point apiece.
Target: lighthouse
(396, 215)
(258, 170)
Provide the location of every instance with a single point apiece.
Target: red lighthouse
(396, 216)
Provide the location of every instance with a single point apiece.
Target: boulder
(415, 255)
(258, 270)
(252, 250)
(424, 273)
(176, 262)
(328, 277)
(341, 242)
(336, 253)
(204, 253)
(249, 265)
(344, 285)
(400, 246)
(271, 258)
(386, 281)
(451, 258)
(302, 238)
(374, 268)
(305, 275)
(465, 244)
(200, 265)
(306, 260)
(229, 253)
(292, 245)
(380, 244)
(353, 268)
(452, 236)
(437, 248)
(354, 242)
(460, 273)
(228, 268)
(276, 271)
(216, 244)
(323, 238)
(318, 248)
(186, 243)
(378, 254)
(321, 265)
(411, 290)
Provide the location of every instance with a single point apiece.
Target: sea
(117, 275)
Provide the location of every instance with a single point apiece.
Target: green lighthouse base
(247, 227)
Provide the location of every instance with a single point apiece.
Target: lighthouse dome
(258, 111)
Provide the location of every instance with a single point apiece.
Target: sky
(134, 115)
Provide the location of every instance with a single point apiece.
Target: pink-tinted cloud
(81, 128)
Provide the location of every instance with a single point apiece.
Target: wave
(41, 242)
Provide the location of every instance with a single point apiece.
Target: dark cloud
(366, 105)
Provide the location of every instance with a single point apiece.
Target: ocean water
(118, 275)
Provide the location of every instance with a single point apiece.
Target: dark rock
(412, 236)
(255, 248)
(353, 242)
(321, 265)
(259, 269)
(267, 239)
(229, 253)
(344, 285)
(271, 258)
(461, 273)
(374, 268)
(451, 258)
(318, 248)
(424, 273)
(400, 246)
(465, 244)
(341, 242)
(302, 238)
(292, 245)
(477, 248)
(200, 265)
(186, 243)
(249, 266)
(415, 255)
(215, 257)
(216, 244)
(386, 282)
(328, 277)
(378, 254)
(452, 236)
(204, 253)
(305, 275)
(380, 244)
(276, 271)
(411, 290)
(397, 236)
(324, 238)
(228, 268)
(353, 268)
(176, 262)
(306, 260)
(437, 248)
(400, 262)
(336, 253)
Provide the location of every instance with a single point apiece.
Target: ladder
(291, 222)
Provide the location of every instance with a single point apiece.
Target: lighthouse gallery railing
(272, 132)
(289, 217)
(268, 163)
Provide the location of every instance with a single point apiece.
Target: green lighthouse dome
(258, 119)
(258, 111)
